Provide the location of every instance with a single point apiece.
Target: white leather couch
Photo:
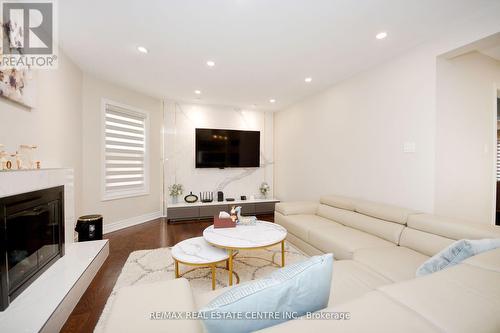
(378, 250)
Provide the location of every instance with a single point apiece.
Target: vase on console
(264, 189)
(175, 190)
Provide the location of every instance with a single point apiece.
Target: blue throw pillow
(456, 253)
(287, 293)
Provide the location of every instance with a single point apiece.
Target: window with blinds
(125, 151)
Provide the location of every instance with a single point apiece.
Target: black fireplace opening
(32, 238)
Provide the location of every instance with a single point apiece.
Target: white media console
(204, 210)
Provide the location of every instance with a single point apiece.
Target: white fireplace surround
(23, 181)
(45, 305)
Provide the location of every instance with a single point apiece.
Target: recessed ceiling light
(381, 35)
(210, 63)
(308, 79)
(142, 49)
(197, 92)
(272, 100)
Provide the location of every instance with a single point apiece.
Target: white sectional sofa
(378, 249)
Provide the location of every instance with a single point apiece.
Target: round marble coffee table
(197, 252)
(246, 237)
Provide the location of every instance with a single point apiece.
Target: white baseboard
(131, 222)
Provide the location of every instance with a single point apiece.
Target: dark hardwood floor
(148, 235)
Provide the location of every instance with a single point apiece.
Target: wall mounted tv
(221, 148)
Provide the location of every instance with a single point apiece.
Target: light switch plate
(409, 147)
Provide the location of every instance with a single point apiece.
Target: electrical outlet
(409, 147)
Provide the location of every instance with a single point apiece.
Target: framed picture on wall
(17, 85)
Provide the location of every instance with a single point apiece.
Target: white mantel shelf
(217, 203)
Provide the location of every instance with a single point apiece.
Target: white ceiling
(262, 48)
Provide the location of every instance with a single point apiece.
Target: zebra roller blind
(125, 152)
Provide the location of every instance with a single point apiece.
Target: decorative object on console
(220, 196)
(224, 220)
(234, 214)
(206, 196)
(175, 190)
(191, 198)
(243, 197)
(264, 188)
(244, 220)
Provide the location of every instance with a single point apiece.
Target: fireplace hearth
(32, 238)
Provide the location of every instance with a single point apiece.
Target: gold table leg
(213, 277)
(176, 269)
(283, 253)
(230, 267)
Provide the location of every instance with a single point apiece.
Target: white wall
(54, 125)
(466, 136)
(120, 212)
(349, 139)
(181, 122)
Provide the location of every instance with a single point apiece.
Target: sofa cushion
(296, 207)
(343, 241)
(303, 245)
(451, 228)
(300, 288)
(338, 201)
(423, 242)
(395, 263)
(384, 212)
(488, 260)
(374, 312)
(334, 213)
(352, 280)
(389, 231)
(132, 308)
(460, 299)
(299, 225)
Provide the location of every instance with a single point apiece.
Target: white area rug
(148, 266)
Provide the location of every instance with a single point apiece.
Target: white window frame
(122, 194)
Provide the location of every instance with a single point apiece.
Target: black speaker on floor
(220, 196)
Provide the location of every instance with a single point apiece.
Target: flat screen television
(221, 148)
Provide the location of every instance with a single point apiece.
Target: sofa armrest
(296, 207)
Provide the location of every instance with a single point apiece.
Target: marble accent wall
(181, 120)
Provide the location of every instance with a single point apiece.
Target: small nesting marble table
(246, 237)
(197, 252)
